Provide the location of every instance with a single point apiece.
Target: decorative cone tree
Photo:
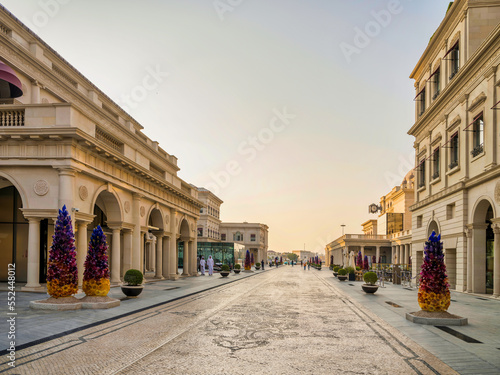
(252, 260)
(374, 259)
(62, 274)
(248, 262)
(434, 291)
(96, 274)
(359, 260)
(365, 263)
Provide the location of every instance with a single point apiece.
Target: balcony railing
(453, 164)
(477, 150)
(12, 117)
(365, 237)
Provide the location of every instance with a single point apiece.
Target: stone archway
(153, 259)
(483, 274)
(14, 234)
(184, 255)
(108, 214)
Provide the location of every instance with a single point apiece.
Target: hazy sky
(294, 112)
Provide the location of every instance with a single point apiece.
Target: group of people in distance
(210, 264)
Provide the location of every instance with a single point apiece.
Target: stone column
(136, 233)
(159, 257)
(115, 256)
(393, 254)
(363, 253)
(407, 251)
(172, 248)
(127, 250)
(165, 257)
(377, 256)
(193, 270)
(33, 254)
(496, 260)
(35, 92)
(479, 258)
(468, 233)
(81, 249)
(185, 260)
(66, 190)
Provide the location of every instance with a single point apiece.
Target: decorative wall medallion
(127, 206)
(167, 219)
(83, 192)
(142, 211)
(497, 192)
(41, 187)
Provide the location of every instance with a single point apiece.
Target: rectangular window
(252, 237)
(200, 232)
(436, 79)
(421, 174)
(453, 151)
(421, 100)
(478, 136)
(419, 221)
(450, 211)
(223, 236)
(454, 57)
(435, 164)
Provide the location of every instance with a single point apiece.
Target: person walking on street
(308, 266)
(262, 262)
(210, 263)
(304, 266)
(202, 266)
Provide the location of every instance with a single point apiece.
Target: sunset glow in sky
(293, 112)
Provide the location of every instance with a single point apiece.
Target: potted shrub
(336, 270)
(342, 274)
(352, 273)
(237, 268)
(257, 266)
(224, 270)
(370, 280)
(133, 283)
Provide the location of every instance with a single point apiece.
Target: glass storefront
(221, 252)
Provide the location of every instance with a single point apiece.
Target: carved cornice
(480, 99)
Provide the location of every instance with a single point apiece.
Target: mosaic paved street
(287, 321)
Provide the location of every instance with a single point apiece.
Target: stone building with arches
(64, 142)
(457, 146)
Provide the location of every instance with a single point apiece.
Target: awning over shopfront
(10, 85)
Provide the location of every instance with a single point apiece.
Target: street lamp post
(342, 225)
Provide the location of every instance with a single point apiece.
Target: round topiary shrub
(336, 269)
(342, 272)
(237, 266)
(350, 270)
(224, 267)
(133, 277)
(370, 278)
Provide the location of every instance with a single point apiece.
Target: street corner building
(457, 146)
(64, 142)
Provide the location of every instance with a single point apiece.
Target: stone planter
(224, 273)
(237, 271)
(335, 274)
(367, 288)
(352, 277)
(342, 277)
(132, 290)
(257, 268)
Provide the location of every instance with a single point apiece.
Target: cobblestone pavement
(284, 322)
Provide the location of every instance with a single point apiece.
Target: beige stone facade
(388, 238)
(64, 142)
(208, 225)
(457, 146)
(253, 236)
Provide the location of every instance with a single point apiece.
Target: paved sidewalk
(465, 357)
(35, 326)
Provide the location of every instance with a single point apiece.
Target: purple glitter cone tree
(62, 273)
(359, 260)
(248, 262)
(365, 263)
(96, 274)
(434, 290)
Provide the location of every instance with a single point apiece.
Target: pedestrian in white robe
(210, 263)
(202, 266)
